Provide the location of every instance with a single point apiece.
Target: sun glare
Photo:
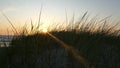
(44, 30)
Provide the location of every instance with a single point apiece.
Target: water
(5, 40)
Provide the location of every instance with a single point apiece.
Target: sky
(21, 11)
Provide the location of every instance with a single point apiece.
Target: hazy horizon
(20, 11)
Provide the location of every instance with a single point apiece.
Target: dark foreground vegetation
(100, 46)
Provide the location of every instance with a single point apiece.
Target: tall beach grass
(97, 40)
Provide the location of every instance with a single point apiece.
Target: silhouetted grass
(94, 39)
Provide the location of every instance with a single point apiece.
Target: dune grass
(96, 40)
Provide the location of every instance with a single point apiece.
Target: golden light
(44, 30)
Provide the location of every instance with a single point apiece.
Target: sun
(44, 30)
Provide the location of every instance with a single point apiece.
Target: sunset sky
(20, 11)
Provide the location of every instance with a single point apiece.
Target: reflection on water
(5, 40)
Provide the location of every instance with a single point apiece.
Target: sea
(5, 40)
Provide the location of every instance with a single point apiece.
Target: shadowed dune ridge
(95, 40)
